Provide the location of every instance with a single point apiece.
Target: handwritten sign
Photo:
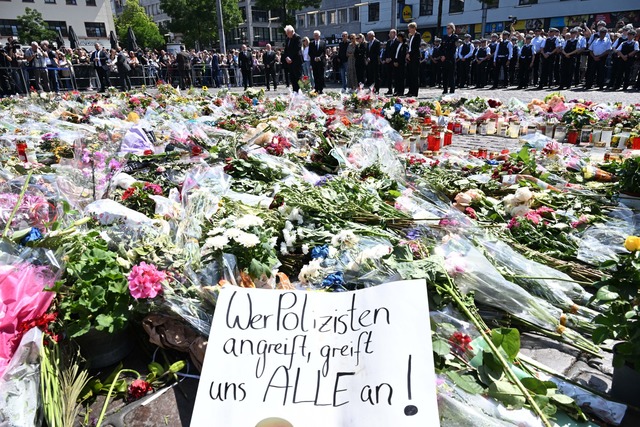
(305, 359)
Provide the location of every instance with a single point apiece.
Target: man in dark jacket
(293, 56)
(269, 62)
(101, 64)
(448, 59)
(389, 55)
(122, 63)
(342, 59)
(373, 61)
(184, 67)
(245, 60)
(318, 57)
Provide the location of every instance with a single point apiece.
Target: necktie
(317, 45)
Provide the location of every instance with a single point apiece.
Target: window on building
(243, 13)
(277, 35)
(300, 21)
(426, 7)
(493, 4)
(91, 2)
(456, 6)
(260, 15)
(49, 1)
(71, 2)
(312, 19)
(321, 20)
(331, 17)
(27, 1)
(527, 2)
(342, 16)
(9, 27)
(374, 12)
(58, 25)
(95, 29)
(355, 13)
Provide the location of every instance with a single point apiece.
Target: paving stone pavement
(174, 405)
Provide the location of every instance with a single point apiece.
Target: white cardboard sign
(304, 359)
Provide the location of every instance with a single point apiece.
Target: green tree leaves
(31, 27)
(146, 31)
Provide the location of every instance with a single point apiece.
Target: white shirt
(600, 46)
(410, 40)
(398, 50)
(635, 46)
(305, 54)
(538, 42)
(468, 55)
(582, 43)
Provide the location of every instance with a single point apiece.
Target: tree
(288, 7)
(32, 28)
(146, 31)
(197, 20)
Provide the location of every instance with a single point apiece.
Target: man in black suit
(389, 54)
(413, 59)
(122, 62)
(373, 61)
(100, 60)
(269, 61)
(184, 67)
(448, 59)
(245, 60)
(293, 56)
(318, 57)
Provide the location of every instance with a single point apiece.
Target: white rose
(463, 199)
(520, 210)
(523, 195)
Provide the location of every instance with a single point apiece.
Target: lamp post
(359, 5)
(270, 19)
(223, 44)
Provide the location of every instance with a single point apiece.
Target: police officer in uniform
(448, 58)
(465, 53)
(501, 59)
(493, 46)
(526, 62)
(482, 60)
(568, 56)
(548, 53)
(436, 67)
(513, 63)
(625, 52)
(474, 64)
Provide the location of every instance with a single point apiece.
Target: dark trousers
(622, 74)
(295, 71)
(215, 77)
(270, 73)
(546, 74)
(524, 70)
(247, 78)
(568, 68)
(398, 78)
(513, 73)
(413, 76)
(389, 76)
(536, 68)
(482, 73)
(53, 80)
(463, 73)
(184, 78)
(576, 73)
(500, 64)
(103, 76)
(448, 76)
(436, 74)
(596, 70)
(372, 75)
(318, 75)
(125, 80)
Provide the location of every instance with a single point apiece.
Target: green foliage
(95, 291)
(197, 19)
(31, 27)
(146, 31)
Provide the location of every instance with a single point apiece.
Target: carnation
(523, 195)
(247, 240)
(310, 271)
(138, 389)
(346, 238)
(145, 280)
(216, 243)
(247, 221)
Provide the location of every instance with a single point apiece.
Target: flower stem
(482, 328)
(18, 203)
(113, 384)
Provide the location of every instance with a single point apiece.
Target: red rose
(138, 389)
(148, 152)
(196, 150)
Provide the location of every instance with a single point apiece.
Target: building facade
(335, 16)
(258, 28)
(92, 20)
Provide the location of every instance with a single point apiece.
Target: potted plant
(578, 118)
(621, 322)
(93, 299)
(628, 174)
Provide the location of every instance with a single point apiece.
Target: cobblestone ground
(173, 406)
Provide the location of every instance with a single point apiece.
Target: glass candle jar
(606, 135)
(514, 129)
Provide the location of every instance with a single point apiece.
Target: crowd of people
(582, 56)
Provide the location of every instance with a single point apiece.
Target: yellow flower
(578, 110)
(204, 88)
(632, 243)
(133, 117)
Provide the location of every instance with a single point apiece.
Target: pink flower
(153, 188)
(581, 221)
(138, 389)
(544, 209)
(446, 222)
(145, 280)
(533, 216)
(513, 223)
(471, 213)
